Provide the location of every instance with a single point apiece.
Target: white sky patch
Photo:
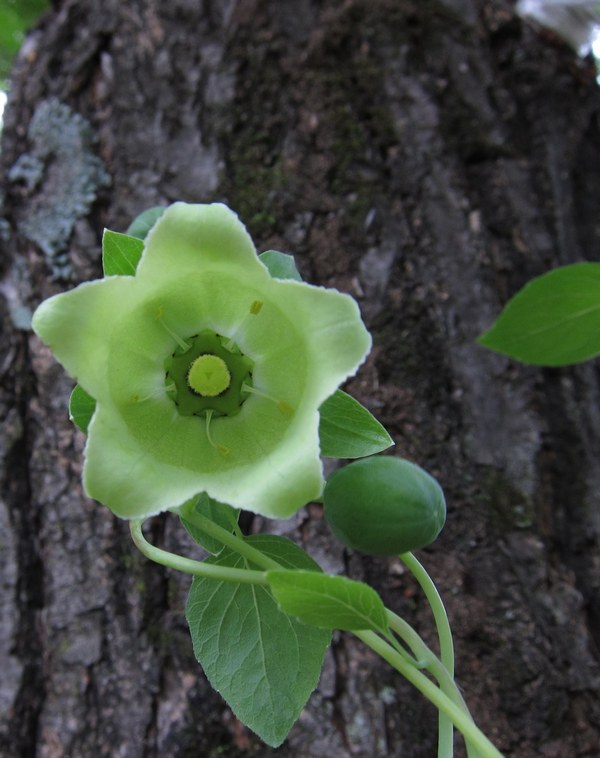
(3, 98)
(596, 51)
(596, 43)
(576, 21)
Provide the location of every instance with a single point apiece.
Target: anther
(255, 309)
(159, 317)
(158, 393)
(221, 449)
(283, 406)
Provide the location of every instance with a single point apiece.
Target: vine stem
(446, 730)
(446, 697)
(437, 606)
(236, 543)
(189, 566)
(434, 694)
(422, 652)
(435, 667)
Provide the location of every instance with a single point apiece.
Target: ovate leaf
(553, 321)
(332, 602)
(263, 662)
(81, 408)
(280, 265)
(120, 253)
(348, 430)
(141, 225)
(222, 514)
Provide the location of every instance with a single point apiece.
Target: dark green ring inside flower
(208, 376)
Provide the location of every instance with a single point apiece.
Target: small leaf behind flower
(553, 321)
(221, 513)
(280, 265)
(333, 602)
(263, 662)
(120, 253)
(348, 430)
(81, 408)
(141, 225)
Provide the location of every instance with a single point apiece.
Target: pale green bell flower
(207, 372)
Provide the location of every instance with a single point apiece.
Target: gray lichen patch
(62, 175)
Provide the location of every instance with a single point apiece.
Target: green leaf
(333, 602)
(264, 663)
(141, 225)
(11, 30)
(553, 321)
(16, 17)
(348, 430)
(221, 513)
(81, 408)
(15, 20)
(120, 253)
(280, 265)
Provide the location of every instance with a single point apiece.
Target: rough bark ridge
(428, 157)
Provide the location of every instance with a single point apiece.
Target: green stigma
(209, 376)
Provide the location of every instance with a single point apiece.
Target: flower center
(206, 375)
(209, 376)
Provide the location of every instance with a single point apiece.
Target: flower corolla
(207, 371)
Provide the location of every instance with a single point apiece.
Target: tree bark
(427, 157)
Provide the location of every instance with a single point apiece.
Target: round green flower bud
(384, 506)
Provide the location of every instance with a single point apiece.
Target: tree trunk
(429, 157)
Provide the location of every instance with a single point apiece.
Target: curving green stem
(236, 543)
(446, 730)
(424, 653)
(446, 697)
(463, 722)
(437, 606)
(435, 667)
(189, 566)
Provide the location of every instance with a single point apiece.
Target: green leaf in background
(16, 17)
(263, 662)
(280, 265)
(222, 514)
(348, 430)
(11, 30)
(141, 225)
(121, 253)
(333, 602)
(553, 321)
(81, 408)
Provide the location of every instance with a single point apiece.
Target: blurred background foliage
(16, 17)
